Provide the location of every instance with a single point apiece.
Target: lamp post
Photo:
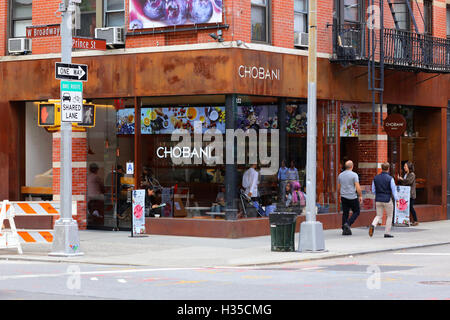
(311, 231)
(65, 238)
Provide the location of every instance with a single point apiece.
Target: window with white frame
(87, 18)
(21, 12)
(260, 20)
(300, 18)
(114, 13)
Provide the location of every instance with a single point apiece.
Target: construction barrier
(13, 238)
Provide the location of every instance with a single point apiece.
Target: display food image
(161, 13)
(166, 120)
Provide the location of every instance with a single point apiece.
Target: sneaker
(346, 231)
(388, 235)
(415, 223)
(371, 230)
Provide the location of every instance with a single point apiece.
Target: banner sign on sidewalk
(138, 216)
(402, 206)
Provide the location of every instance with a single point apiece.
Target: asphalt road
(422, 273)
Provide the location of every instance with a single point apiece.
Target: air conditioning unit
(19, 45)
(301, 39)
(112, 35)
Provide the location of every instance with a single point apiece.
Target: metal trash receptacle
(282, 231)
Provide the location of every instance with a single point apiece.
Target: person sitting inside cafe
(219, 205)
(152, 204)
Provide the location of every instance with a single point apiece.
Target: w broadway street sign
(66, 71)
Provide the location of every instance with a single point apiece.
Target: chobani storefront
(194, 149)
(194, 120)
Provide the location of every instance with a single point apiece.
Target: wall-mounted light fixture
(218, 36)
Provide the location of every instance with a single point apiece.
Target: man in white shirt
(250, 182)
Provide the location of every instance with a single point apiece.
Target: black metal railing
(349, 42)
(402, 49)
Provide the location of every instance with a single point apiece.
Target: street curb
(332, 256)
(341, 255)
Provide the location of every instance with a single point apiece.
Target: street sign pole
(66, 239)
(311, 231)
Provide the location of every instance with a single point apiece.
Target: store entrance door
(109, 186)
(448, 161)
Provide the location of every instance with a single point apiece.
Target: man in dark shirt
(383, 186)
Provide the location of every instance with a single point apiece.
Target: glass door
(109, 186)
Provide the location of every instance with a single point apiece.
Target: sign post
(66, 239)
(311, 231)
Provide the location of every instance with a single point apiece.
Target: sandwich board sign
(402, 206)
(71, 101)
(138, 216)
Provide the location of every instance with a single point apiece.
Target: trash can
(282, 231)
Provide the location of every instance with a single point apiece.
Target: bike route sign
(71, 101)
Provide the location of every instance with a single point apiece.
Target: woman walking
(409, 179)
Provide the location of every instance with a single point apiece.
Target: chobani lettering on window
(254, 72)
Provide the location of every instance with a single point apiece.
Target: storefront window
(421, 145)
(38, 158)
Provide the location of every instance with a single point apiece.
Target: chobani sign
(394, 125)
(255, 72)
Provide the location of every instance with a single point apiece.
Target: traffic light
(88, 116)
(49, 114)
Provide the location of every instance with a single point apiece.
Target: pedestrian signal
(88, 116)
(47, 114)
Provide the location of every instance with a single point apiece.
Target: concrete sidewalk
(118, 248)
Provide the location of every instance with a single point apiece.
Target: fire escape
(370, 43)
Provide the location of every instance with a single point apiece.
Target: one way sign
(65, 71)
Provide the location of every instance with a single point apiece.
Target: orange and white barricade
(13, 238)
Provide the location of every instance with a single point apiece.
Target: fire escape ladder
(395, 13)
(376, 69)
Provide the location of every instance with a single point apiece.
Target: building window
(428, 16)
(300, 19)
(351, 11)
(21, 12)
(114, 13)
(260, 20)
(402, 15)
(88, 18)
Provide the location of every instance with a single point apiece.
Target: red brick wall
(79, 175)
(237, 14)
(43, 14)
(373, 151)
(283, 23)
(3, 27)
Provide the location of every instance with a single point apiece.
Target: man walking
(350, 192)
(383, 186)
(250, 182)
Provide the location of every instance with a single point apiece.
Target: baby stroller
(246, 200)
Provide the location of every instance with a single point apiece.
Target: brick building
(236, 58)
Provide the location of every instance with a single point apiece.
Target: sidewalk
(118, 248)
